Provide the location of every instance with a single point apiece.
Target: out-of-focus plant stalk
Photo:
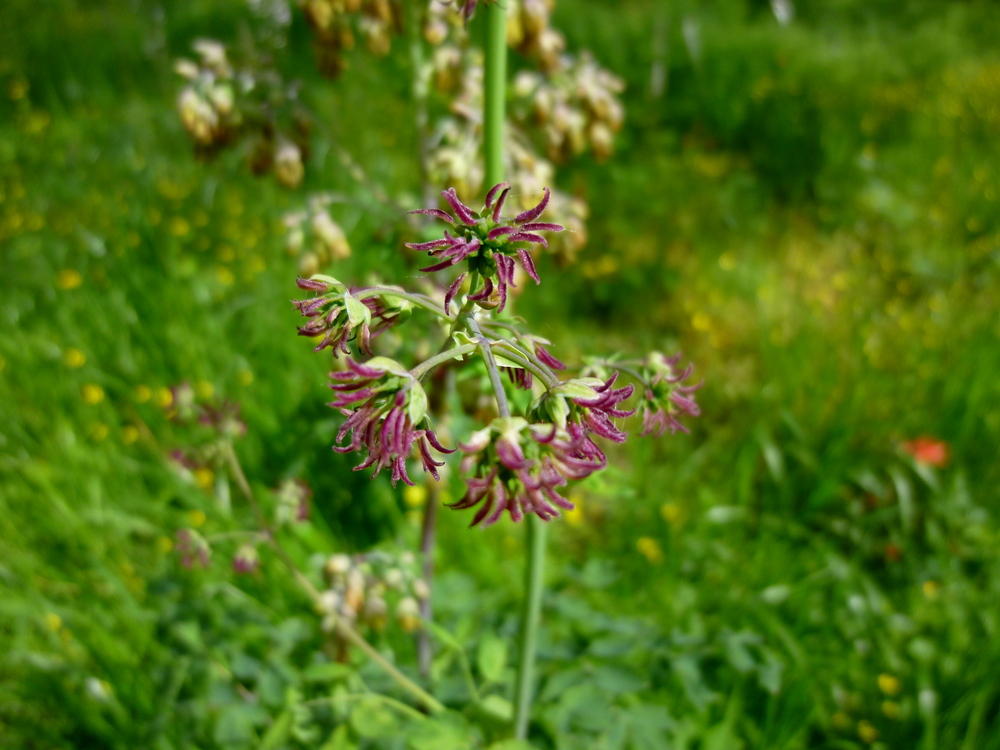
(493, 118)
(495, 95)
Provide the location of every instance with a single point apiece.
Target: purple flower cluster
(518, 468)
(338, 315)
(193, 548)
(384, 405)
(666, 399)
(489, 243)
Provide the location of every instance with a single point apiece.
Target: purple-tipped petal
(533, 213)
(439, 266)
(483, 293)
(463, 212)
(529, 237)
(528, 265)
(437, 213)
(493, 192)
(501, 231)
(542, 227)
(311, 285)
(543, 354)
(422, 247)
(452, 291)
(498, 208)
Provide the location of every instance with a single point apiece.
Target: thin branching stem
(516, 355)
(491, 366)
(417, 299)
(421, 370)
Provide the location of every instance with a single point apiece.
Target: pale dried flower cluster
(360, 588)
(576, 107)
(220, 105)
(314, 237)
(335, 23)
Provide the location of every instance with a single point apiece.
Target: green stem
(429, 364)
(530, 362)
(516, 356)
(417, 299)
(491, 367)
(525, 687)
(495, 95)
(493, 120)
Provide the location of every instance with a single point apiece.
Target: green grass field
(810, 213)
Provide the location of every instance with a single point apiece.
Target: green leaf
(511, 745)
(498, 707)
(357, 311)
(440, 734)
(340, 739)
(387, 365)
(327, 280)
(578, 388)
(234, 726)
(557, 409)
(373, 719)
(417, 406)
(491, 657)
(502, 361)
(278, 733)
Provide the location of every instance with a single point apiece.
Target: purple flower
(518, 468)
(384, 404)
(338, 315)
(488, 242)
(224, 418)
(193, 548)
(246, 559)
(665, 398)
(597, 412)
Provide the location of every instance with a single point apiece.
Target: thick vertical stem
(493, 136)
(425, 649)
(532, 610)
(495, 95)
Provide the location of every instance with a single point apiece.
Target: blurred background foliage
(808, 210)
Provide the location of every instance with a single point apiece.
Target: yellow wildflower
(74, 358)
(415, 496)
(92, 393)
(204, 478)
(196, 517)
(69, 279)
(672, 513)
(650, 549)
(867, 732)
(889, 684)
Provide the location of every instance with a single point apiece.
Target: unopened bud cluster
(530, 32)
(369, 590)
(314, 237)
